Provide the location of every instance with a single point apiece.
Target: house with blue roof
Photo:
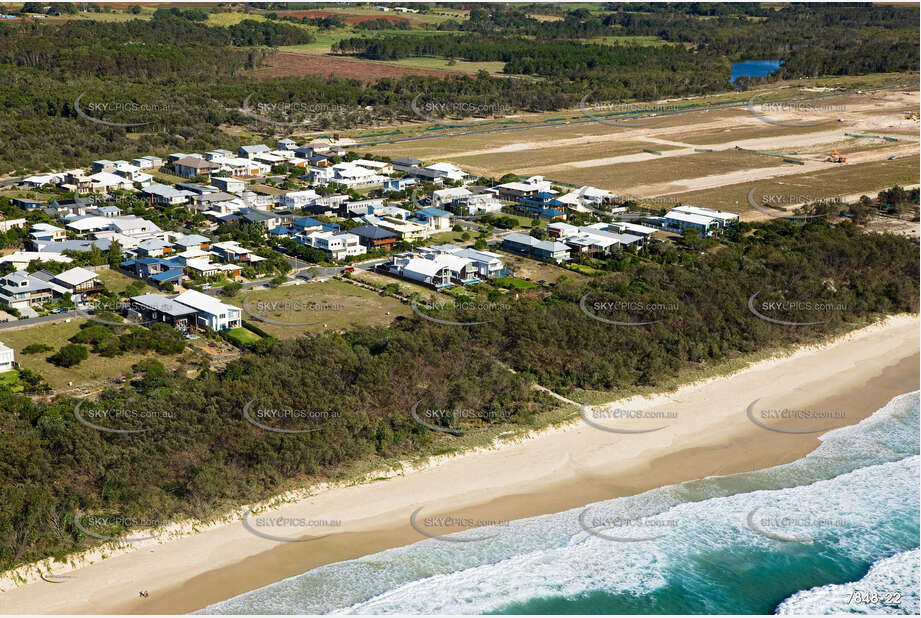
(282, 230)
(307, 224)
(436, 219)
(157, 270)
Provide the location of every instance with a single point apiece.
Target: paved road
(55, 317)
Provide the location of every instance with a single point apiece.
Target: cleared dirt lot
(707, 156)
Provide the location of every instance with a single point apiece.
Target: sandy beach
(701, 430)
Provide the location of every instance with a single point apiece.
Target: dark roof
(406, 161)
(372, 232)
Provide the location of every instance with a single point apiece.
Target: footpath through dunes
(546, 472)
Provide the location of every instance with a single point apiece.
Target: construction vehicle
(836, 157)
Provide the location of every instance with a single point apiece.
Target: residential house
(26, 203)
(218, 155)
(286, 144)
(21, 259)
(231, 251)
(103, 165)
(305, 225)
(297, 199)
(45, 233)
(421, 270)
(248, 152)
(191, 241)
(264, 218)
(517, 191)
(723, 219)
(337, 245)
(153, 247)
(378, 167)
(157, 308)
(461, 269)
(358, 208)
(406, 164)
(148, 162)
(79, 282)
(435, 219)
(7, 360)
(189, 167)
(680, 221)
(405, 230)
(166, 195)
(20, 290)
(544, 250)
(228, 185)
(486, 264)
(446, 197)
(374, 237)
(7, 224)
(399, 184)
(239, 166)
(211, 312)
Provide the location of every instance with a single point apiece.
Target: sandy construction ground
(708, 433)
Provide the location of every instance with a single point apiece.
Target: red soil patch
(307, 14)
(391, 18)
(285, 64)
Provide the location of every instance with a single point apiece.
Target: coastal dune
(767, 414)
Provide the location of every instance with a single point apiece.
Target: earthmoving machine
(836, 157)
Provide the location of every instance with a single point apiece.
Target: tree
(69, 355)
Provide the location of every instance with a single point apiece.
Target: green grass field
(243, 335)
(116, 281)
(315, 307)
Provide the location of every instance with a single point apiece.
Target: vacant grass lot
(315, 307)
(57, 334)
(116, 281)
(526, 268)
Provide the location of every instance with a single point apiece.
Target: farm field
(326, 305)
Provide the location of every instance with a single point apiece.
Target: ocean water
(753, 68)
(800, 535)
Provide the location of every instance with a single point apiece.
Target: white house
(723, 219)
(443, 197)
(298, 199)
(337, 245)
(211, 312)
(422, 270)
(7, 361)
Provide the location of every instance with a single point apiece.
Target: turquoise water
(848, 512)
(753, 68)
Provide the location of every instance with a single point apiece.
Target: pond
(753, 68)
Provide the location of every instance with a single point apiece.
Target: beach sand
(708, 434)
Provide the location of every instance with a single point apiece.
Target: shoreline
(550, 470)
